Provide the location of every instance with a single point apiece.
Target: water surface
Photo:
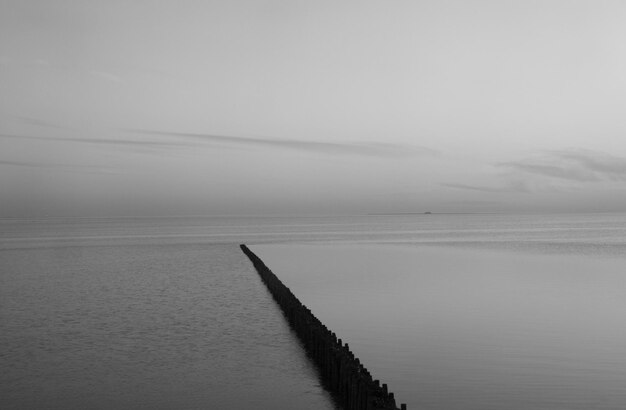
(145, 326)
(518, 314)
(458, 329)
(453, 311)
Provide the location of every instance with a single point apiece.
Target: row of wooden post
(349, 381)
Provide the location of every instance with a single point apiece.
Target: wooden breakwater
(342, 373)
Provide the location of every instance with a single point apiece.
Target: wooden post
(344, 373)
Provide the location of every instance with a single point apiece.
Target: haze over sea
(457, 311)
(504, 118)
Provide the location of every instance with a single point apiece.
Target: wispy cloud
(471, 187)
(555, 171)
(61, 167)
(351, 148)
(552, 171)
(39, 122)
(511, 186)
(99, 141)
(179, 139)
(608, 166)
(572, 165)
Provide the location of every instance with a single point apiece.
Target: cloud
(356, 148)
(61, 167)
(471, 187)
(179, 139)
(554, 171)
(40, 123)
(512, 186)
(572, 165)
(608, 166)
(99, 141)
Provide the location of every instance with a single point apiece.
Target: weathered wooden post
(340, 370)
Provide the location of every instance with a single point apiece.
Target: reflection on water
(551, 234)
(155, 327)
(168, 313)
(458, 329)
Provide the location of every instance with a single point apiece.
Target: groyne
(343, 374)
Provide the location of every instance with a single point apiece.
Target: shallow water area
(145, 326)
(465, 311)
(454, 328)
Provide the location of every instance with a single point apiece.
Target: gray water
(453, 311)
(145, 326)
(516, 315)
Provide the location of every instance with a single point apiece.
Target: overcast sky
(274, 107)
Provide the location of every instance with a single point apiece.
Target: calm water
(145, 326)
(453, 311)
(523, 313)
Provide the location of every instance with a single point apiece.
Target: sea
(452, 311)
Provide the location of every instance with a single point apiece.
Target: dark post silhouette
(343, 374)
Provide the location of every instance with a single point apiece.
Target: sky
(257, 107)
